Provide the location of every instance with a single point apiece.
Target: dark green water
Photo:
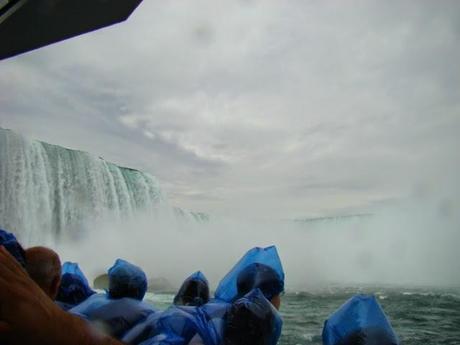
(418, 316)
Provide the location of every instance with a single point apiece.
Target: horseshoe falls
(49, 193)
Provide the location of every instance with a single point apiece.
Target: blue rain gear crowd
(244, 309)
(74, 288)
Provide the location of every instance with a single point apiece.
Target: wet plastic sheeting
(143, 330)
(91, 304)
(74, 287)
(73, 268)
(175, 323)
(194, 291)
(259, 276)
(253, 319)
(227, 290)
(164, 339)
(179, 324)
(216, 313)
(121, 307)
(186, 322)
(250, 316)
(9, 241)
(114, 316)
(361, 318)
(182, 322)
(126, 280)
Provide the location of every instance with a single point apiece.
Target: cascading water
(48, 192)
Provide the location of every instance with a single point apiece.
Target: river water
(419, 316)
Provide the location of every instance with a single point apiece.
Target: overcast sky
(270, 108)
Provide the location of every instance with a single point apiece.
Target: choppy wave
(421, 317)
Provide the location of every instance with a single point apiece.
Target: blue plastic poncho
(74, 288)
(113, 316)
(259, 276)
(360, 320)
(252, 319)
(179, 324)
(194, 291)
(121, 308)
(11, 244)
(216, 314)
(73, 268)
(164, 339)
(186, 322)
(268, 257)
(126, 280)
(143, 330)
(90, 305)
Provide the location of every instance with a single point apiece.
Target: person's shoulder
(89, 304)
(148, 306)
(132, 302)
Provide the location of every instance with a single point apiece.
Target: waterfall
(48, 192)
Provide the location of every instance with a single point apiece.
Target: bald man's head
(44, 267)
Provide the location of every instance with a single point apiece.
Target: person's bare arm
(28, 316)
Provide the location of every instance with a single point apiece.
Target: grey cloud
(256, 107)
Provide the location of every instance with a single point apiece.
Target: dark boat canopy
(30, 24)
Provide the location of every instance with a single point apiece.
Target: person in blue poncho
(118, 310)
(263, 277)
(194, 291)
(258, 268)
(360, 321)
(181, 322)
(74, 287)
(178, 321)
(250, 320)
